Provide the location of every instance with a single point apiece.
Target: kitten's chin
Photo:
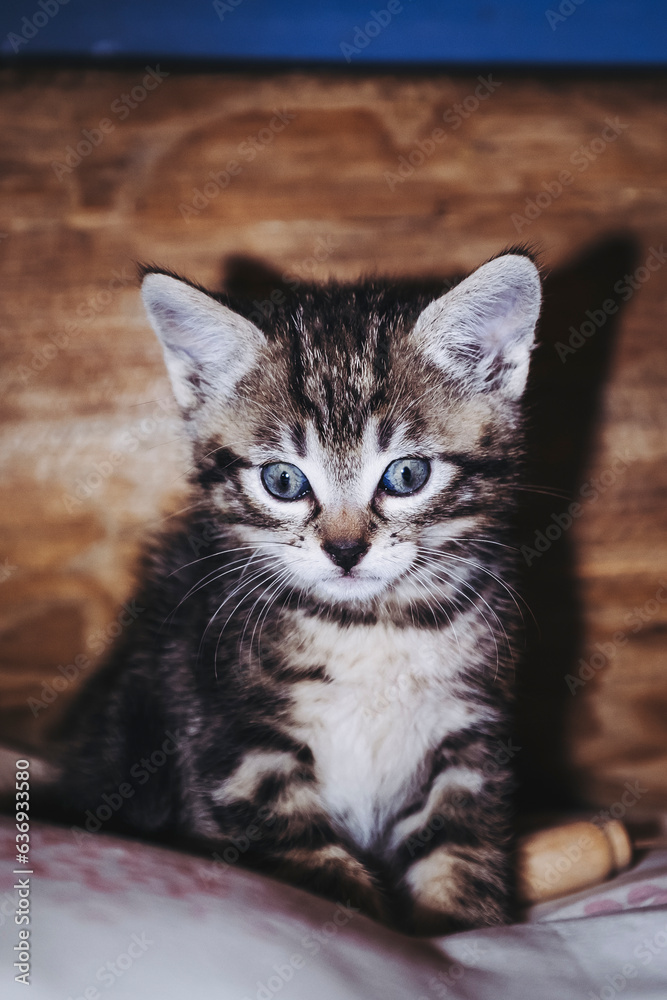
(350, 590)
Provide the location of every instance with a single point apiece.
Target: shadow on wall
(583, 303)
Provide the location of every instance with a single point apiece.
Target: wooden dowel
(570, 857)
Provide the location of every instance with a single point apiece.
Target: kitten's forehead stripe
(270, 434)
(297, 378)
(219, 465)
(385, 432)
(298, 434)
(340, 357)
(224, 457)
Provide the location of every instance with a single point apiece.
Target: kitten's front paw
(332, 871)
(452, 891)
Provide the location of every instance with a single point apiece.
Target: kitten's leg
(454, 888)
(451, 854)
(334, 872)
(279, 816)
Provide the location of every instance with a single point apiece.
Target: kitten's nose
(346, 553)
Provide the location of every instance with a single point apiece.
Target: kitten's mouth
(352, 587)
(354, 574)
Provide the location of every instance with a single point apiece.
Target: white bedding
(118, 918)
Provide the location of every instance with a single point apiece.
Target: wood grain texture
(85, 402)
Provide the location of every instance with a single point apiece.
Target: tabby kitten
(327, 638)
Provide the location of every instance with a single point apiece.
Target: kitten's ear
(205, 344)
(482, 331)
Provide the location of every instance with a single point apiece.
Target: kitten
(329, 681)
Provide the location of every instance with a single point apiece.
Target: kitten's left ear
(482, 331)
(207, 347)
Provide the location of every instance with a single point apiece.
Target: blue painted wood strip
(346, 32)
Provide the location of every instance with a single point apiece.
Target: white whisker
(448, 579)
(223, 552)
(514, 595)
(197, 505)
(262, 573)
(424, 583)
(285, 576)
(262, 577)
(213, 578)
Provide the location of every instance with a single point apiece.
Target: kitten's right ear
(207, 347)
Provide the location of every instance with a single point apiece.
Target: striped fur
(337, 725)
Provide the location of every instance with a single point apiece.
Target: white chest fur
(390, 701)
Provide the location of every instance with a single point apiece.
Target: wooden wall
(311, 175)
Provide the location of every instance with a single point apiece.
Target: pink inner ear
(498, 333)
(487, 322)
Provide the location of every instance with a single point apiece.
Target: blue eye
(285, 481)
(405, 476)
